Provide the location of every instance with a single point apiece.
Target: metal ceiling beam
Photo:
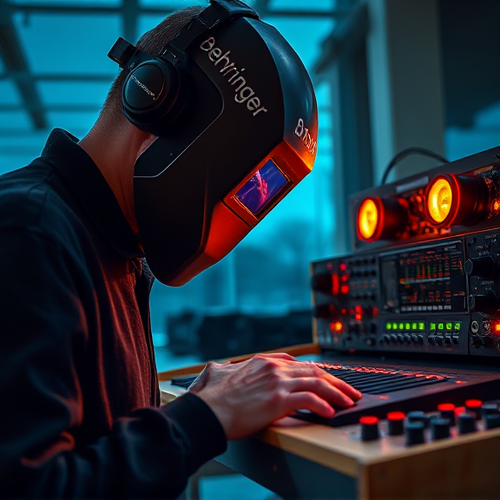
(13, 56)
(78, 108)
(82, 9)
(57, 77)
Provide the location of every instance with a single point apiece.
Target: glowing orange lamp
(368, 218)
(380, 218)
(439, 200)
(455, 199)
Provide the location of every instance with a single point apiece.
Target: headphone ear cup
(151, 95)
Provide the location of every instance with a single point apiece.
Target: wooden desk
(296, 460)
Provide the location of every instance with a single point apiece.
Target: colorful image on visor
(262, 188)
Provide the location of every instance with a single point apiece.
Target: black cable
(409, 151)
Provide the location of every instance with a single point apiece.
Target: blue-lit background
(54, 72)
(64, 47)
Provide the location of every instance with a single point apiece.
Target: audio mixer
(416, 306)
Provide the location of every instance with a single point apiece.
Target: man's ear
(147, 141)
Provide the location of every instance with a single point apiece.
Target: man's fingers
(302, 369)
(353, 393)
(308, 401)
(321, 388)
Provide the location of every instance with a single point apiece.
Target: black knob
(489, 409)
(414, 433)
(483, 266)
(492, 421)
(447, 411)
(440, 428)
(396, 421)
(369, 428)
(473, 406)
(487, 303)
(418, 416)
(466, 423)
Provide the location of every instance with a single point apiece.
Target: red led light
(473, 403)
(446, 407)
(368, 420)
(335, 284)
(395, 415)
(343, 266)
(496, 328)
(338, 326)
(344, 289)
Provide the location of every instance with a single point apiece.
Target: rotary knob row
(440, 424)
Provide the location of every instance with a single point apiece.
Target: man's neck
(114, 148)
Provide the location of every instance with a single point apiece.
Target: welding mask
(236, 118)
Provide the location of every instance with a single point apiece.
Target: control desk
(411, 318)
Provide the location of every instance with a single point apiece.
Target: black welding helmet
(236, 118)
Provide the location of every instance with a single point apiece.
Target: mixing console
(423, 282)
(431, 289)
(405, 387)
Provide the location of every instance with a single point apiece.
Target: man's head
(152, 42)
(235, 114)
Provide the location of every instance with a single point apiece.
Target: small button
(489, 409)
(492, 421)
(414, 433)
(418, 416)
(466, 423)
(447, 410)
(474, 407)
(440, 428)
(395, 422)
(369, 428)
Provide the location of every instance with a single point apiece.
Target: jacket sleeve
(150, 453)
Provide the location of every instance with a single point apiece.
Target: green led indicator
(458, 325)
(407, 326)
(388, 326)
(449, 326)
(432, 326)
(394, 326)
(440, 326)
(413, 326)
(421, 326)
(401, 326)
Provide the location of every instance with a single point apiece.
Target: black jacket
(78, 385)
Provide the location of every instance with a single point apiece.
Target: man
(80, 411)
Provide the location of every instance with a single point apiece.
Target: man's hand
(248, 396)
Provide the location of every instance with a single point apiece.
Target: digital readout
(425, 279)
